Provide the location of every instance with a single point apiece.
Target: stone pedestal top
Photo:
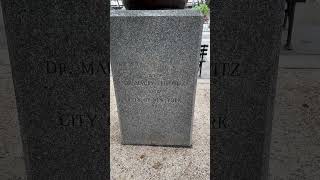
(175, 12)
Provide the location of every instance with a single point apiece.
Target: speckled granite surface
(294, 143)
(163, 163)
(154, 59)
(245, 37)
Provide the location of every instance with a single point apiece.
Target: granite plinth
(246, 44)
(154, 60)
(3, 39)
(59, 54)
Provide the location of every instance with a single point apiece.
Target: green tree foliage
(203, 8)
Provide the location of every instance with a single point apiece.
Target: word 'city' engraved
(89, 68)
(225, 69)
(76, 120)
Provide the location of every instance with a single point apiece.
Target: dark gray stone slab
(3, 39)
(245, 38)
(59, 54)
(154, 59)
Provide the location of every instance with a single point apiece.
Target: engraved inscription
(225, 69)
(154, 100)
(156, 83)
(76, 120)
(84, 68)
(219, 122)
(146, 82)
(92, 68)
